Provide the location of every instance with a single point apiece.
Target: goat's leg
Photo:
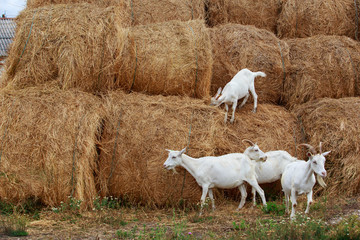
(287, 202)
(243, 196)
(244, 101)
(254, 184)
(255, 96)
(254, 196)
(212, 199)
(233, 112)
(309, 201)
(293, 203)
(226, 113)
(203, 197)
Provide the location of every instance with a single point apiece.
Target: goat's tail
(261, 74)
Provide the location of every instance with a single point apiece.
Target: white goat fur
(238, 87)
(272, 169)
(226, 171)
(298, 178)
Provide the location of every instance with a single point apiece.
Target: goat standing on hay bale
(298, 178)
(238, 87)
(226, 171)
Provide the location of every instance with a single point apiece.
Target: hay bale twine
(335, 122)
(260, 13)
(138, 129)
(322, 66)
(308, 18)
(47, 145)
(72, 44)
(141, 12)
(236, 47)
(170, 58)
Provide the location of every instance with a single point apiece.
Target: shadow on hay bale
(141, 12)
(322, 66)
(47, 145)
(138, 129)
(308, 18)
(236, 47)
(261, 14)
(74, 44)
(172, 58)
(335, 122)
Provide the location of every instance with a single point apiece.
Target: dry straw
(335, 122)
(72, 44)
(47, 145)
(170, 58)
(261, 14)
(306, 18)
(236, 47)
(141, 12)
(138, 129)
(322, 66)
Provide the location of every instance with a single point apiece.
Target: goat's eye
(256, 150)
(173, 157)
(315, 163)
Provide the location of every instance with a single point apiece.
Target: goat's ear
(168, 150)
(309, 154)
(219, 91)
(182, 151)
(326, 153)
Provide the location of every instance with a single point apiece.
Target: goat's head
(317, 160)
(174, 159)
(214, 100)
(254, 152)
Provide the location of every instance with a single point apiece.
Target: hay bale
(171, 58)
(141, 12)
(308, 18)
(47, 145)
(322, 66)
(138, 129)
(260, 13)
(236, 47)
(72, 44)
(335, 122)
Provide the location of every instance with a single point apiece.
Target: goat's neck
(190, 164)
(308, 171)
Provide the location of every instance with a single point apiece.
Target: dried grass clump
(141, 12)
(47, 145)
(236, 47)
(100, 3)
(155, 11)
(308, 18)
(171, 58)
(336, 123)
(72, 44)
(322, 66)
(138, 129)
(260, 13)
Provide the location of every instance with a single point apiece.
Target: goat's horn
(311, 148)
(248, 141)
(320, 144)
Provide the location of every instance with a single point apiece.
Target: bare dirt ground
(107, 223)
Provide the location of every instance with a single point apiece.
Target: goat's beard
(320, 181)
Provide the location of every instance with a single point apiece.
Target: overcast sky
(11, 8)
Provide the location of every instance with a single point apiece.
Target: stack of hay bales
(322, 66)
(47, 146)
(308, 18)
(237, 46)
(335, 122)
(170, 58)
(138, 129)
(261, 14)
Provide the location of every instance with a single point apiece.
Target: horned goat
(226, 171)
(238, 87)
(272, 169)
(298, 178)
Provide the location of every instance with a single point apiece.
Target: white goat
(298, 178)
(227, 171)
(272, 169)
(238, 87)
